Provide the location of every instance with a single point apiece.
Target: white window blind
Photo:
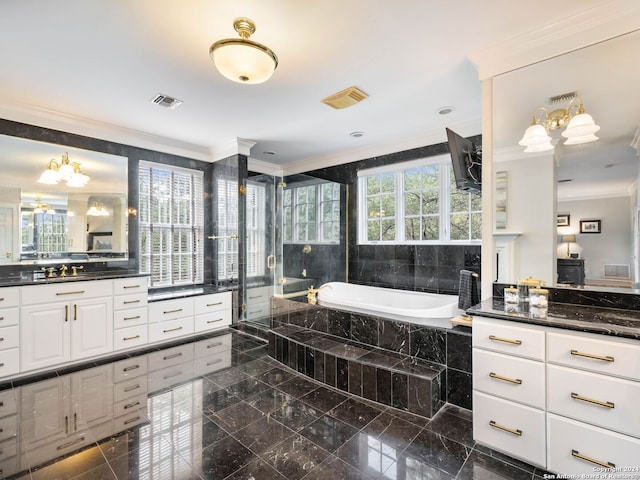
(227, 201)
(171, 222)
(256, 229)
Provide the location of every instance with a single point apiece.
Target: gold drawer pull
(577, 454)
(517, 433)
(172, 311)
(217, 344)
(505, 340)
(69, 444)
(591, 355)
(131, 286)
(216, 320)
(132, 367)
(131, 420)
(172, 330)
(132, 318)
(127, 302)
(131, 338)
(505, 379)
(575, 396)
(175, 355)
(131, 388)
(213, 304)
(131, 405)
(70, 293)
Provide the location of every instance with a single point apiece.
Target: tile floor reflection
(221, 408)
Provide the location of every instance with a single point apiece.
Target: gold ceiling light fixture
(64, 170)
(579, 126)
(243, 60)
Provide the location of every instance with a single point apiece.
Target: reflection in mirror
(594, 181)
(44, 222)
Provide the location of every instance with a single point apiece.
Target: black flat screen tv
(467, 163)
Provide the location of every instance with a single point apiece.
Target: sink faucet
(74, 270)
(312, 292)
(48, 271)
(63, 271)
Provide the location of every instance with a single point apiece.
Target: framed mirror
(61, 221)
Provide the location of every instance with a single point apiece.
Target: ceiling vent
(166, 101)
(345, 98)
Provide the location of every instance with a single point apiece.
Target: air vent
(345, 98)
(616, 271)
(562, 98)
(166, 101)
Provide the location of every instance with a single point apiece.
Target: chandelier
(65, 171)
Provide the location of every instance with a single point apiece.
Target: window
(171, 224)
(256, 229)
(312, 213)
(227, 201)
(416, 202)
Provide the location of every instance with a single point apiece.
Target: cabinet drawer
(170, 356)
(125, 286)
(9, 466)
(9, 316)
(129, 368)
(609, 402)
(515, 429)
(129, 421)
(597, 353)
(9, 337)
(212, 303)
(135, 300)
(9, 362)
(130, 405)
(129, 318)
(9, 297)
(170, 329)
(574, 447)
(169, 376)
(130, 388)
(8, 404)
(507, 337)
(258, 310)
(8, 449)
(258, 295)
(212, 363)
(62, 291)
(221, 343)
(170, 309)
(210, 321)
(506, 376)
(8, 427)
(130, 337)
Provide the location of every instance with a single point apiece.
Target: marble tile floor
(253, 419)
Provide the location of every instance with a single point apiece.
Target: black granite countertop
(607, 321)
(29, 279)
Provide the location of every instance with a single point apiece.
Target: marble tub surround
(450, 349)
(608, 321)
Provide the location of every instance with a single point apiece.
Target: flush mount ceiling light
(580, 127)
(243, 60)
(64, 170)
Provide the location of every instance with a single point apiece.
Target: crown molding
(47, 118)
(602, 22)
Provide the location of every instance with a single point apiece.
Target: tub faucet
(312, 292)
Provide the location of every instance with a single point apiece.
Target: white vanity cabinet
(65, 321)
(130, 313)
(170, 319)
(508, 388)
(212, 311)
(9, 331)
(258, 302)
(568, 403)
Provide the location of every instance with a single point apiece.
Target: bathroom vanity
(559, 392)
(48, 323)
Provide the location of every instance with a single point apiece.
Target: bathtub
(412, 307)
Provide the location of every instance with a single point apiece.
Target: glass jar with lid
(524, 285)
(511, 295)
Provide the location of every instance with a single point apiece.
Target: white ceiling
(100, 63)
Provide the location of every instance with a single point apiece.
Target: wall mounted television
(467, 162)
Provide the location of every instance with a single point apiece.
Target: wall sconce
(66, 171)
(568, 239)
(243, 60)
(580, 127)
(40, 207)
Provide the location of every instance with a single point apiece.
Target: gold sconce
(64, 170)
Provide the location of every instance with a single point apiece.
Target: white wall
(612, 246)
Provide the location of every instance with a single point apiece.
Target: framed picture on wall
(590, 226)
(563, 220)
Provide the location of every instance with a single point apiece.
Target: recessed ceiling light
(356, 134)
(445, 110)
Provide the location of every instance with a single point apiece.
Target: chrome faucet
(313, 292)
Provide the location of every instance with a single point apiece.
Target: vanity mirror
(67, 220)
(595, 181)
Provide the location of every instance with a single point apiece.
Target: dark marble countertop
(607, 321)
(25, 280)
